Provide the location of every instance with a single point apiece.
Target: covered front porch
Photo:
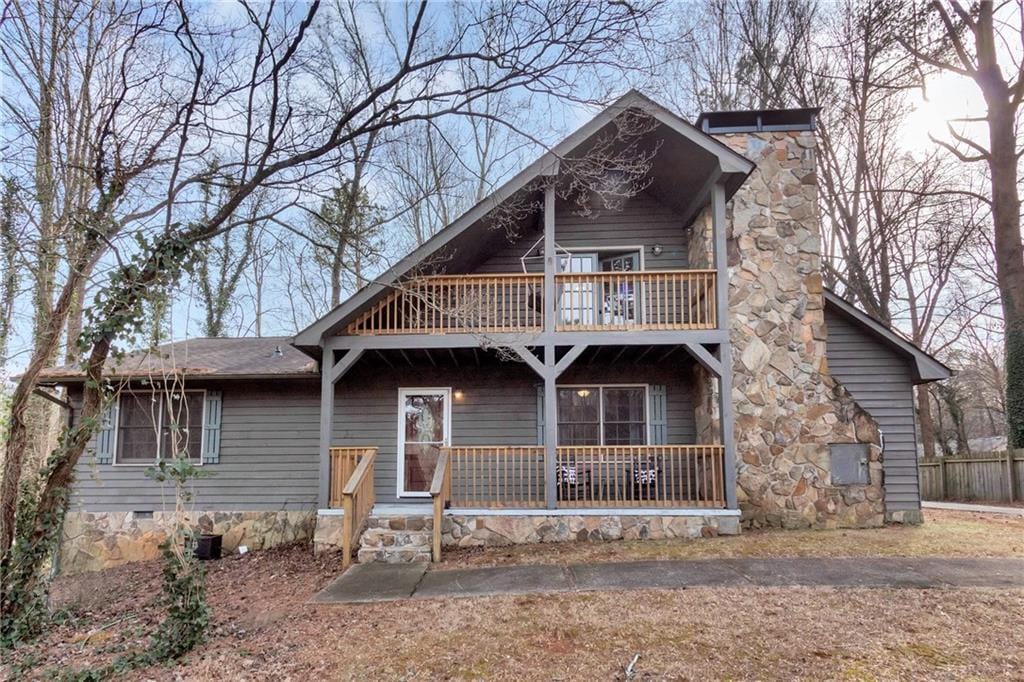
(463, 432)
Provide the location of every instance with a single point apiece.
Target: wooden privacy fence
(991, 477)
(352, 489)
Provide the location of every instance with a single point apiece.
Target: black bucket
(208, 547)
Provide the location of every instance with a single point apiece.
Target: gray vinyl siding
(881, 381)
(268, 458)
(498, 407)
(643, 221)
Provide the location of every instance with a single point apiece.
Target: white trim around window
(160, 427)
(600, 405)
(446, 393)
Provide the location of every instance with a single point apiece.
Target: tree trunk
(1009, 260)
(925, 421)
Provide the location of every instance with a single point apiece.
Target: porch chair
(571, 483)
(646, 478)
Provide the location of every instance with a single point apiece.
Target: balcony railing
(609, 477)
(672, 299)
(468, 304)
(617, 476)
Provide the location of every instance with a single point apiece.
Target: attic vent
(277, 351)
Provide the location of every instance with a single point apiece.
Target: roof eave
(927, 368)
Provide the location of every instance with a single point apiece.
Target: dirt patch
(944, 533)
(264, 628)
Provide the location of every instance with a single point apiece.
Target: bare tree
(10, 241)
(280, 139)
(976, 43)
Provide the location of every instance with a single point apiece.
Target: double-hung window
(154, 425)
(602, 415)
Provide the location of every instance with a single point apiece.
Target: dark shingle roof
(270, 356)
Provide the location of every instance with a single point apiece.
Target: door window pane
(424, 436)
(424, 418)
(420, 462)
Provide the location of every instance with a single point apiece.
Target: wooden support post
(347, 528)
(326, 420)
(330, 373)
(726, 421)
(725, 407)
(550, 256)
(550, 426)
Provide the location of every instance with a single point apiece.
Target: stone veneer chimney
(788, 407)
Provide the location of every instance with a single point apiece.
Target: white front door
(424, 427)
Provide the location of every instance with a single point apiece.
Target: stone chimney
(790, 412)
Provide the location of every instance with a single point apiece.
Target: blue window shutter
(211, 428)
(540, 414)
(656, 414)
(106, 438)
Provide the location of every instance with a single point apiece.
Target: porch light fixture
(583, 392)
(458, 395)
(657, 249)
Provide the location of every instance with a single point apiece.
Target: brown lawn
(264, 629)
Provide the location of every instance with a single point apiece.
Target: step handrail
(357, 498)
(440, 493)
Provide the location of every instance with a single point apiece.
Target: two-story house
(629, 339)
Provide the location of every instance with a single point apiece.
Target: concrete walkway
(376, 582)
(983, 508)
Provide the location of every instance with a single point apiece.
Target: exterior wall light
(458, 395)
(657, 249)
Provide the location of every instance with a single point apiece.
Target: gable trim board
(731, 164)
(926, 367)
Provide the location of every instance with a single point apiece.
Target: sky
(948, 96)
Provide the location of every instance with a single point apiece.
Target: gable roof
(234, 358)
(733, 166)
(926, 367)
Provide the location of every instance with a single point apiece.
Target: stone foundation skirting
(95, 540)
(907, 516)
(497, 529)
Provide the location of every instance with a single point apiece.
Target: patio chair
(646, 478)
(571, 483)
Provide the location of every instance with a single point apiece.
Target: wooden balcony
(593, 301)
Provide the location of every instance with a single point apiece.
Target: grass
(263, 627)
(948, 534)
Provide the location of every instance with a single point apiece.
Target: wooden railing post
(346, 531)
(440, 491)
